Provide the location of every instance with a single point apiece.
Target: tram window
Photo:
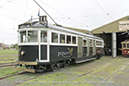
(28, 25)
(84, 42)
(22, 37)
(98, 43)
(68, 39)
(32, 36)
(73, 40)
(43, 36)
(124, 45)
(62, 38)
(90, 41)
(127, 45)
(54, 37)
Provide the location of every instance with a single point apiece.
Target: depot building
(112, 35)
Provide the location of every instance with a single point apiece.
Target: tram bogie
(44, 46)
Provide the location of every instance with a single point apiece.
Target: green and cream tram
(44, 46)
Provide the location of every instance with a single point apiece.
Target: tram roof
(37, 24)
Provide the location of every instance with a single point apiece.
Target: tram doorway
(108, 43)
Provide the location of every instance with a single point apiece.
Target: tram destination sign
(123, 25)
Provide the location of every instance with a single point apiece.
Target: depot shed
(112, 35)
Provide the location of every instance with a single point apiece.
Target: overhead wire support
(46, 13)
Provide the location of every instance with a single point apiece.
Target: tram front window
(22, 36)
(127, 45)
(124, 45)
(32, 36)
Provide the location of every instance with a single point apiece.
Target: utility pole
(3, 43)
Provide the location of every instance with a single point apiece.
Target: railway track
(112, 74)
(7, 64)
(108, 64)
(12, 75)
(83, 74)
(7, 59)
(30, 78)
(8, 55)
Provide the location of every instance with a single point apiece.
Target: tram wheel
(66, 64)
(98, 56)
(54, 67)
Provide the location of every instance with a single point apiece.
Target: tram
(125, 47)
(43, 46)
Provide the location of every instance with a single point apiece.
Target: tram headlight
(22, 53)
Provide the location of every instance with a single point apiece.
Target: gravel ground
(106, 71)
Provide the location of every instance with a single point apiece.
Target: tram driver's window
(43, 36)
(54, 37)
(127, 45)
(23, 37)
(32, 36)
(124, 45)
(62, 38)
(73, 40)
(68, 39)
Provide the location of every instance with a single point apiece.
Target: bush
(4, 47)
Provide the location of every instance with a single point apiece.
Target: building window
(68, 39)
(73, 40)
(43, 36)
(54, 37)
(62, 38)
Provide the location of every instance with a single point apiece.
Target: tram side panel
(43, 52)
(60, 53)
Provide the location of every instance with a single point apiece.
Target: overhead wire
(25, 10)
(6, 3)
(103, 10)
(11, 17)
(62, 13)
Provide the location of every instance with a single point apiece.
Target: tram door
(43, 46)
(94, 48)
(80, 47)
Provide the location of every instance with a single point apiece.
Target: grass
(56, 78)
(9, 52)
(6, 59)
(7, 71)
(87, 80)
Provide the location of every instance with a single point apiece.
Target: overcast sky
(82, 14)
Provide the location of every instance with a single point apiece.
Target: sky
(82, 14)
